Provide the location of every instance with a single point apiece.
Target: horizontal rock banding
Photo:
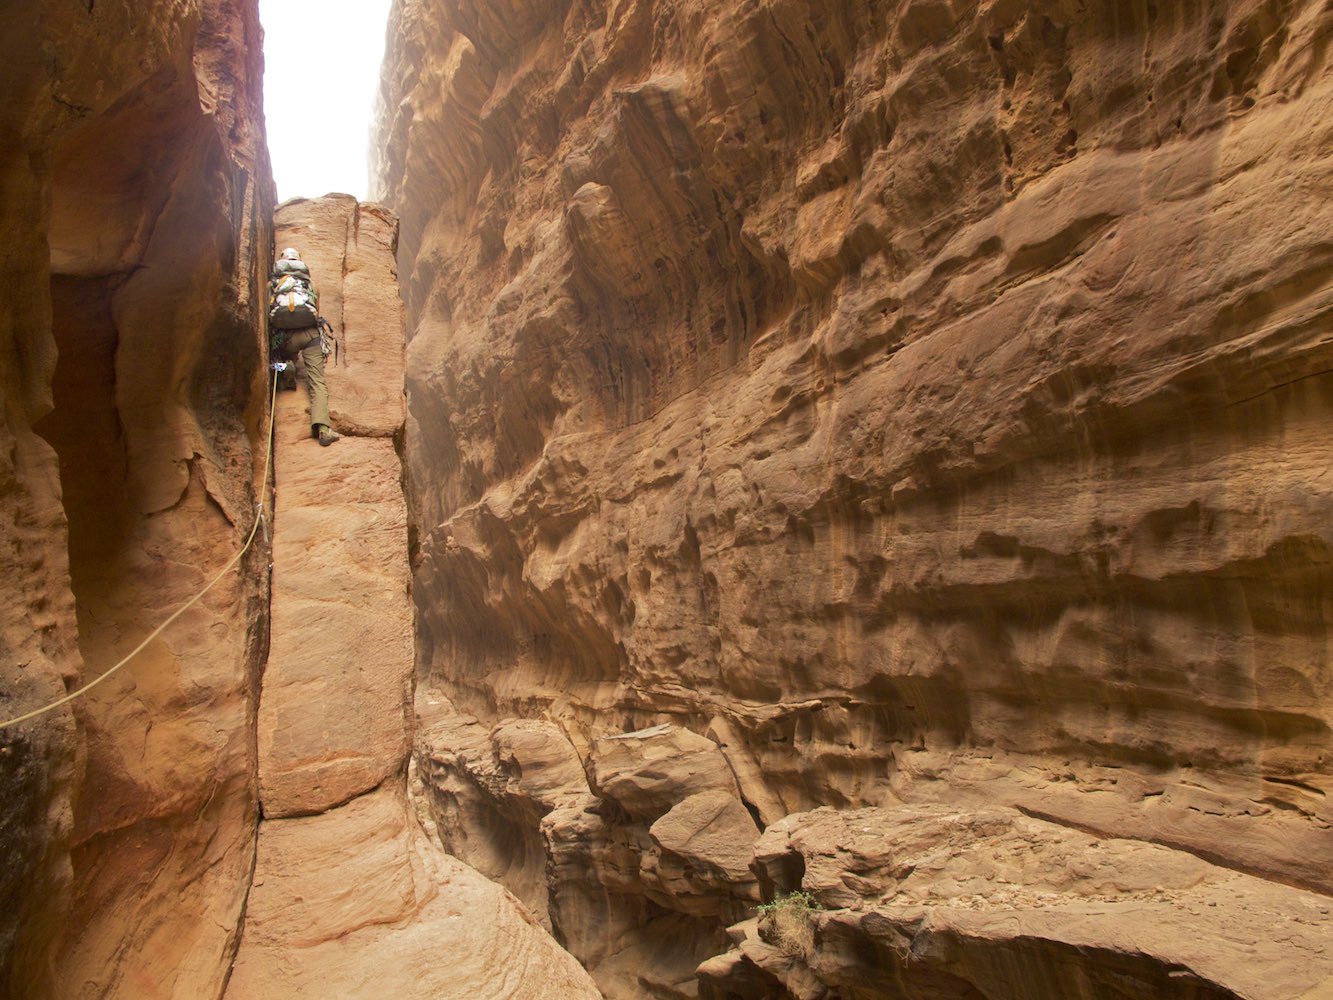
(927, 402)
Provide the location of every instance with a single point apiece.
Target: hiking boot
(327, 436)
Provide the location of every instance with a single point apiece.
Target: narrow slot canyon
(832, 504)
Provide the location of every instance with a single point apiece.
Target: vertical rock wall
(350, 898)
(340, 575)
(135, 242)
(924, 401)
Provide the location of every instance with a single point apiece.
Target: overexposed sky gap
(321, 72)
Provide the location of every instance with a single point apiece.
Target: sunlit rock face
(924, 402)
(134, 242)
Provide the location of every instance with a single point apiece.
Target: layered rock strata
(925, 901)
(350, 898)
(924, 401)
(134, 242)
(636, 867)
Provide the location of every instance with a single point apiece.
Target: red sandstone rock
(333, 713)
(354, 903)
(133, 245)
(638, 883)
(350, 898)
(927, 401)
(350, 248)
(649, 771)
(924, 901)
(704, 845)
(486, 792)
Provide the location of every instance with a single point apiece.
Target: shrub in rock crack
(785, 923)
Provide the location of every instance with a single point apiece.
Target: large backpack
(293, 302)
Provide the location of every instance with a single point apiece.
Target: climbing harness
(254, 530)
(329, 343)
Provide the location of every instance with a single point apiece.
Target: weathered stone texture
(334, 713)
(134, 241)
(926, 401)
(929, 901)
(350, 248)
(334, 716)
(356, 903)
(350, 897)
(638, 882)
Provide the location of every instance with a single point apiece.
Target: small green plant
(785, 923)
(798, 900)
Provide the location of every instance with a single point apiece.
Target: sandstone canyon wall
(349, 897)
(907, 406)
(136, 233)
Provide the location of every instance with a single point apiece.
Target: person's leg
(313, 356)
(288, 348)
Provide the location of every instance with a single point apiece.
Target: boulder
(925, 900)
(649, 771)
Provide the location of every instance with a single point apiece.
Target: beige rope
(254, 529)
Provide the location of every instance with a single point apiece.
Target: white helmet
(290, 254)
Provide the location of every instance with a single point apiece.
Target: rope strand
(254, 529)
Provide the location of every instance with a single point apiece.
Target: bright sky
(321, 72)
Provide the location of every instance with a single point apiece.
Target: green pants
(306, 343)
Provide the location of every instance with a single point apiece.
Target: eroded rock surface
(333, 719)
(924, 402)
(350, 247)
(355, 903)
(133, 247)
(638, 881)
(926, 901)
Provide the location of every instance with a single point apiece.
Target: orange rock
(135, 228)
(993, 902)
(333, 713)
(927, 401)
(350, 897)
(350, 248)
(354, 902)
(649, 771)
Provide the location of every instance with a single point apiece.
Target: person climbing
(299, 329)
